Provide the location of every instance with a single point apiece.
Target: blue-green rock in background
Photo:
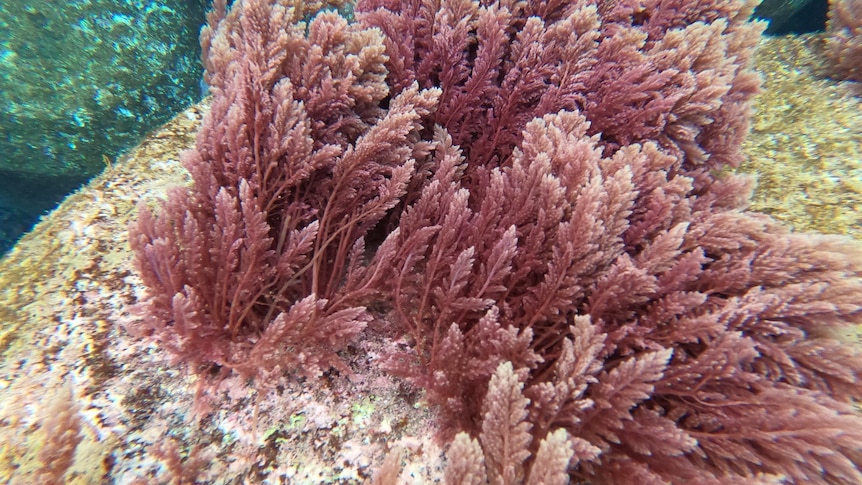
(81, 80)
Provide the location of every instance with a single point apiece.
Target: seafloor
(805, 145)
(67, 287)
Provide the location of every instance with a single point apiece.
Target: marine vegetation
(537, 196)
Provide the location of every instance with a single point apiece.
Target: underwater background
(100, 97)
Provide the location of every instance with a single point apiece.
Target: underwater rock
(805, 144)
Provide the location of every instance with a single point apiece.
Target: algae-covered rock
(805, 145)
